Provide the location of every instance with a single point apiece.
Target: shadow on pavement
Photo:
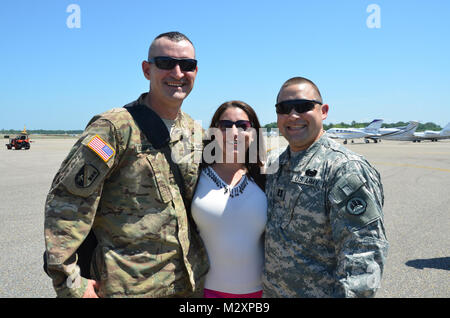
(438, 263)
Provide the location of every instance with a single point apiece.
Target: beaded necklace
(235, 191)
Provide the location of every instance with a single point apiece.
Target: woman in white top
(229, 205)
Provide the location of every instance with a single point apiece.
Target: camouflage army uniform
(325, 235)
(133, 204)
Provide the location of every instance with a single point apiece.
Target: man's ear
(324, 109)
(146, 69)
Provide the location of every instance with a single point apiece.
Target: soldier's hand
(91, 289)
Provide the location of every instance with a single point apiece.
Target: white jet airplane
(405, 133)
(434, 135)
(368, 132)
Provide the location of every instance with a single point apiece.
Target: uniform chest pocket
(161, 175)
(306, 203)
(188, 165)
(311, 198)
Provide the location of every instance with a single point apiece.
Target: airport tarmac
(416, 179)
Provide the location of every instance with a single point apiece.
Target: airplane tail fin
(374, 126)
(446, 130)
(411, 127)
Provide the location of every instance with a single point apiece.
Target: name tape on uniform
(318, 183)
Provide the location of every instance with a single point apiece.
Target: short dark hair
(254, 169)
(300, 80)
(174, 36)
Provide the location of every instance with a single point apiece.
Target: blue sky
(56, 77)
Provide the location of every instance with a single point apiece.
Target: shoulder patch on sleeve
(353, 202)
(356, 206)
(84, 173)
(361, 209)
(86, 176)
(101, 148)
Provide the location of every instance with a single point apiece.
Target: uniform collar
(177, 134)
(300, 159)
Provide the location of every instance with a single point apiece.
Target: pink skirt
(209, 293)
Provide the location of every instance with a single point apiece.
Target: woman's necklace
(235, 191)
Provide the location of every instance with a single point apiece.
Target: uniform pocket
(308, 210)
(160, 169)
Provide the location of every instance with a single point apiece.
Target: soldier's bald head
(172, 36)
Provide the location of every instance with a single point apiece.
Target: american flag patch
(101, 148)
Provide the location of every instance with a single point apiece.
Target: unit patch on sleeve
(86, 176)
(356, 206)
(101, 148)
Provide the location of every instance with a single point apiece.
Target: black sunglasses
(168, 63)
(300, 106)
(243, 124)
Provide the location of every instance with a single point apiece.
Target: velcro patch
(344, 188)
(101, 148)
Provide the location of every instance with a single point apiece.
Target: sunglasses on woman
(300, 106)
(243, 124)
(168, 63)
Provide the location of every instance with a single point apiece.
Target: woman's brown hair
(254, 169)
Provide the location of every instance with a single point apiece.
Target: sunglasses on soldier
(168, 63)
(300, 106)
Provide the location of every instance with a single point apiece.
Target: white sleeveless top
(231, 222)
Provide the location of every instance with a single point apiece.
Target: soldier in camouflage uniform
(325, 235)
(116, 183)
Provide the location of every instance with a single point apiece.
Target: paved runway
(416, 179)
